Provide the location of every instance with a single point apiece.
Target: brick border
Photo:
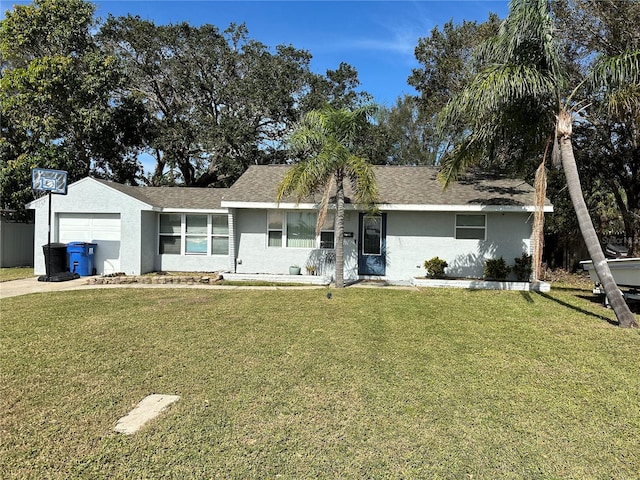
(156, 280)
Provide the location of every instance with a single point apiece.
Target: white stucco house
(242, 229)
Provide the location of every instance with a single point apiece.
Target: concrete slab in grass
(149, 407)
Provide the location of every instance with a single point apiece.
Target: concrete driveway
(24, 286)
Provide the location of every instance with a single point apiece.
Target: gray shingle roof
(399, 185)
(173, 197)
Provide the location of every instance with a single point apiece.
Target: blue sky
(376, 37)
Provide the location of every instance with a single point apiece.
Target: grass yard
(17, 273)
(372, 383)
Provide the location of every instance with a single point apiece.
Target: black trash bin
(55, 258)
(55, 261)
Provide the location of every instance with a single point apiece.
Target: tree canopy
(584, 31)
(96, 98)
(57, 103)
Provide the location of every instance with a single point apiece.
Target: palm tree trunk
(339, 230)
(537, 235)
(613, 293)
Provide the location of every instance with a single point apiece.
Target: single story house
(242, 229)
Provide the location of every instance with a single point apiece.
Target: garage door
(100, 228)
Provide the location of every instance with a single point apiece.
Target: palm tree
(523, 72)
(326, 139)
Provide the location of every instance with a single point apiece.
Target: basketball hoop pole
(49, 242)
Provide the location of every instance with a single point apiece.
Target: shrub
(435, 267)
(522, 268)
(496, 269)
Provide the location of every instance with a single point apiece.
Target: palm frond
(326, 138)
(616, 71)
(617, 80)
(494, 88)
(363, 180)
(303, 180)
(324, 203)
(459, 159)
(624, 101)
(525, 37)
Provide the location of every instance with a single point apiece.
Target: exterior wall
(254, 256)
(16, 243)
(138, 243)
(413, 237)
(148, 241)
(89, 196)
(192, 263)
(183, 263)
(509, 235)
(231, 265)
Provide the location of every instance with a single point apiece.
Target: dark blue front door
(372, 231)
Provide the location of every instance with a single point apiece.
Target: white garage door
(100, 228)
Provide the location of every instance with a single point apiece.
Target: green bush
(435, 267)
(496, 269)
(522, 268)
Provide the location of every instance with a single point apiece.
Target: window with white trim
(196, 234)
(327, 232)
(219, 235)
(471, 226)
(193, 234)
(301, 229)
(297, 229)
(170, 234)
(275, 228)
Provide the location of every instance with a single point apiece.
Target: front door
(372, 231)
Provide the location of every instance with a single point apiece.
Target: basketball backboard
(45, 180)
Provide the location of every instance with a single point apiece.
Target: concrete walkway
(25, 286)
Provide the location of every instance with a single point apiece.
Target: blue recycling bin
(81, 258)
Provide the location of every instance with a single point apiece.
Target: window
(471, 227)
(196, 234)
(327, 232)
(298, 230)
(200, 234)
(275, 222)
(219, 235)
(170, 234)
(301, 229)
(372, 235)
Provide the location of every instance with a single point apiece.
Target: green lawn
(17, 273)
(372, 383)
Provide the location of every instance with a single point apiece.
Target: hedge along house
(475, 219)
(243, 230)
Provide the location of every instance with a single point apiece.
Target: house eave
(462, 208)
(191, 210)
(392, 207)
(274, 205)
